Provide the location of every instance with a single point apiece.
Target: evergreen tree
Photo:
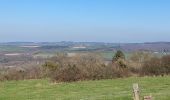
(118, 55)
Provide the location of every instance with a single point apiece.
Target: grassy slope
(116, 89)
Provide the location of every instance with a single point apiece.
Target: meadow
(113, 89)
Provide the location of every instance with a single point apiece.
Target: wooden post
(135, 92)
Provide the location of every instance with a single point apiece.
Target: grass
(116, 89)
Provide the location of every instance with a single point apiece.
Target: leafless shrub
(82, 67)
(166, 63)
(157, 66)
(26, 71)
(152, 67)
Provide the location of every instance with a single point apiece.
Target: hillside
(116, 89)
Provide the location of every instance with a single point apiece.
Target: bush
(153, 67)
(157, 66)
(29, 71)
(166, 63)
(80, 67)
(69, 73)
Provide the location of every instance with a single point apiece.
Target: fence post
(135, 91)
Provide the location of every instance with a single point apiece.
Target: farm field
(113, 89)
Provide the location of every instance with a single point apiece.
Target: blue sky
(85, 20)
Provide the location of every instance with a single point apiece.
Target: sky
(117, 21)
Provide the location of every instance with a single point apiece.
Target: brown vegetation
(62, 68)
(156, 66)
(83, 67)
(29, 71)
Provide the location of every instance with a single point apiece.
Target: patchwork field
(115, 89)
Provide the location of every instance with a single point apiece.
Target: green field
(116, 89)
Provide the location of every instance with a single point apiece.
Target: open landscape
(84, 50)
(26, 71)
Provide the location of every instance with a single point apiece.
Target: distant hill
(96, 46)
(154, 46)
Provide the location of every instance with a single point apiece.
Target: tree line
(62, 68)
